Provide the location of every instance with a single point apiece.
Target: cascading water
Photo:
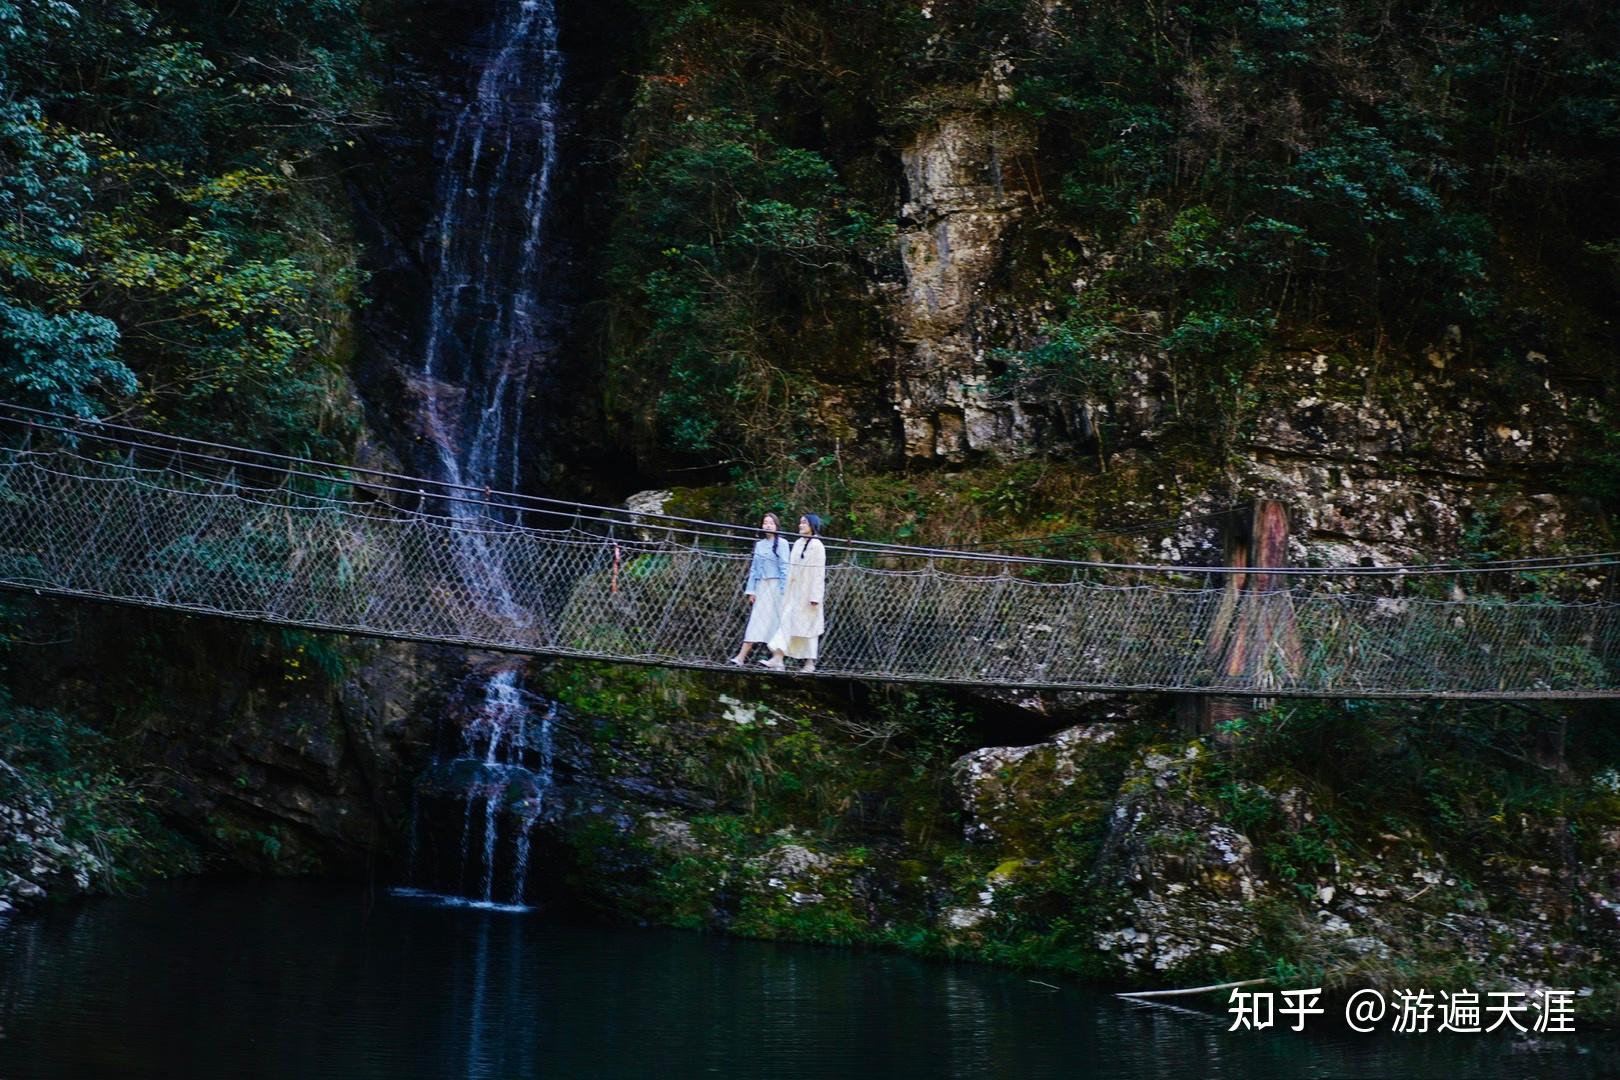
(476, 806)
(486, 338)
(487, 315)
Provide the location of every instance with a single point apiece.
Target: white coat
(802, 614)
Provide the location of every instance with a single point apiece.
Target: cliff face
(963, 193)
(1187, 884)
(1111, 258)
(196, 744)
(421, 257)
(1131, 282)
(1392, 458)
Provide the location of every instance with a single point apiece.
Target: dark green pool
(292, 980)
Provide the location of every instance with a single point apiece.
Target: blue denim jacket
(766, 565)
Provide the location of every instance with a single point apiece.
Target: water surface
(258, 979)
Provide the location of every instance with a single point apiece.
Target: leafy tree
(170, 240)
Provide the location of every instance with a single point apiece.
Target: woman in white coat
(802, 618)
(767, 580)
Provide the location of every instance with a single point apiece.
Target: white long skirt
(765, 613)
(794, 645)
(800, 648)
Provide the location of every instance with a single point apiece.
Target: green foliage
(1270, 167)
(734, 249)
(1211, 186)
(752, 219)
(168, 235)
(61, 360)
(1075, 358)
(305, 655)
(72, 766)
(57, 357)
(175, 247)
(786, 773)
(1593, 470)
(1463, 778)
(930, 727)
(1213, 182)
(1320, 789)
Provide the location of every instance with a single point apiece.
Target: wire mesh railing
(247, 537)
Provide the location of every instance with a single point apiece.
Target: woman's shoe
(774, 665)
(809, 667)
(736, 661)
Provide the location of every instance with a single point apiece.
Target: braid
(815, 532)
(776, 536)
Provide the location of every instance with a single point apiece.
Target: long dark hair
(776, 533)
(814, 521)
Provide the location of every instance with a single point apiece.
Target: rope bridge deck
(329, 555)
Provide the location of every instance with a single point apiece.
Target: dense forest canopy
(172, 237)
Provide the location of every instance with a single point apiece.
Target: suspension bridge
(112, 513)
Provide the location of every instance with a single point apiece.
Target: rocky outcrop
(36, 856)
(964, 191)
(263, 753)
(1179, 884)
(1007, 789)
(1186, 882)
(1384, 460)
(1378, 469)
(315, 778)
(1393, 470)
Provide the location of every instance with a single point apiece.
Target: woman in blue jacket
(767, 579)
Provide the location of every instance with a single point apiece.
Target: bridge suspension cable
(207, 456)
(102, 512)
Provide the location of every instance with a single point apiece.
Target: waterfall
(476, 806)
(485, 339)
(486, 313)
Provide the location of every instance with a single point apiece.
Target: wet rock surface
(1113, 848)
(1189, 880)
(285, 766)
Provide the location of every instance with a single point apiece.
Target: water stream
(475, 808)
(488, 317)
(484, 343)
